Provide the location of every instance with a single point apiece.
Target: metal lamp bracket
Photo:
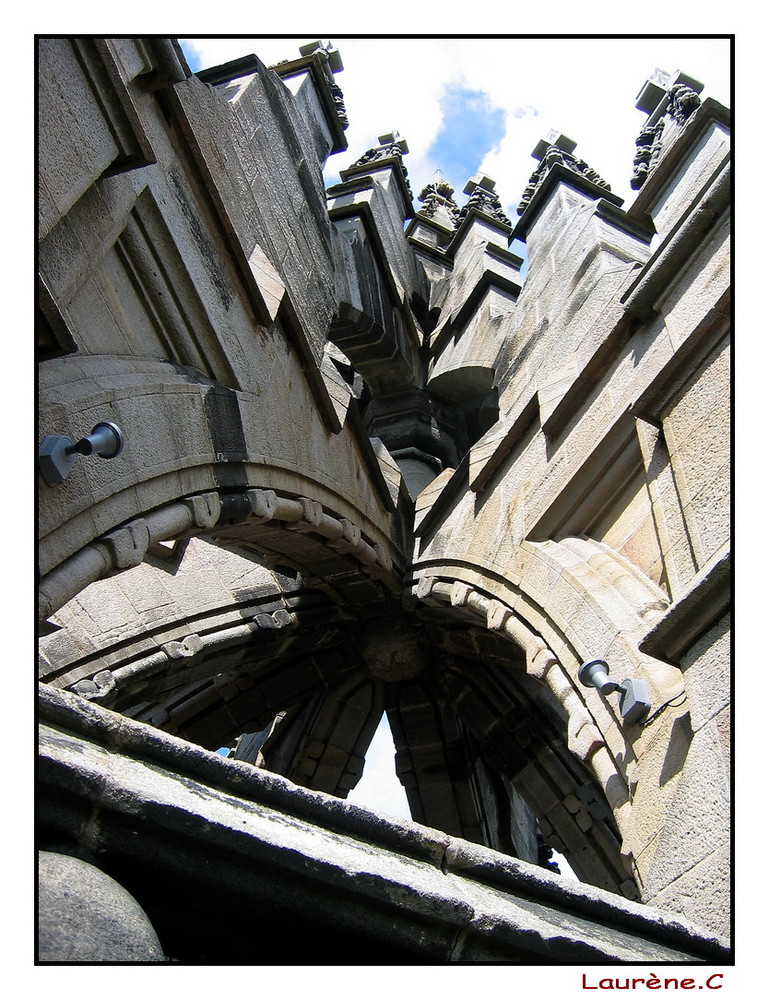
(634, 703)
(57, 453)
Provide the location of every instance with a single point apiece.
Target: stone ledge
(708, 597)
(140, 797)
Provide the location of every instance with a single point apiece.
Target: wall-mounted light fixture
(56, 454)
(633, 694)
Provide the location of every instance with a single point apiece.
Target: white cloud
(585, 87)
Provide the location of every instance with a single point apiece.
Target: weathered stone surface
(85, 916)
(708, 685)
(424, 890)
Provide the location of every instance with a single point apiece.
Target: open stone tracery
(370, 471)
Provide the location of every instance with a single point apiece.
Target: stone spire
(669, 99)
(556, 149)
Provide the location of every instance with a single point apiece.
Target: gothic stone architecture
(362, 467)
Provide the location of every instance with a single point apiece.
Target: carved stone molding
(541, 662)
(105, 686)
(127, 546)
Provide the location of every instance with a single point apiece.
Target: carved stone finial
(483, 198)
(653, 90)
(394, 138)
(329, 50)
(479, 180)
(553, 138)
(549, 158)
(392, 147)
(437, 196)
(338, 96)
(681, 102)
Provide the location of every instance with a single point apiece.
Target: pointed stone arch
(561, 603)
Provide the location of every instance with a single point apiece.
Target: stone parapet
(440, 898)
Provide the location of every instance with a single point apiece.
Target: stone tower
(311, 456)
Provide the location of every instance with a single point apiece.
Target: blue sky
(471, 124)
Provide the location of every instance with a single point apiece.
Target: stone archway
(483, 748)
(564, 602)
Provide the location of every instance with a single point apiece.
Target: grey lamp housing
(57, 453)
(634, 703)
